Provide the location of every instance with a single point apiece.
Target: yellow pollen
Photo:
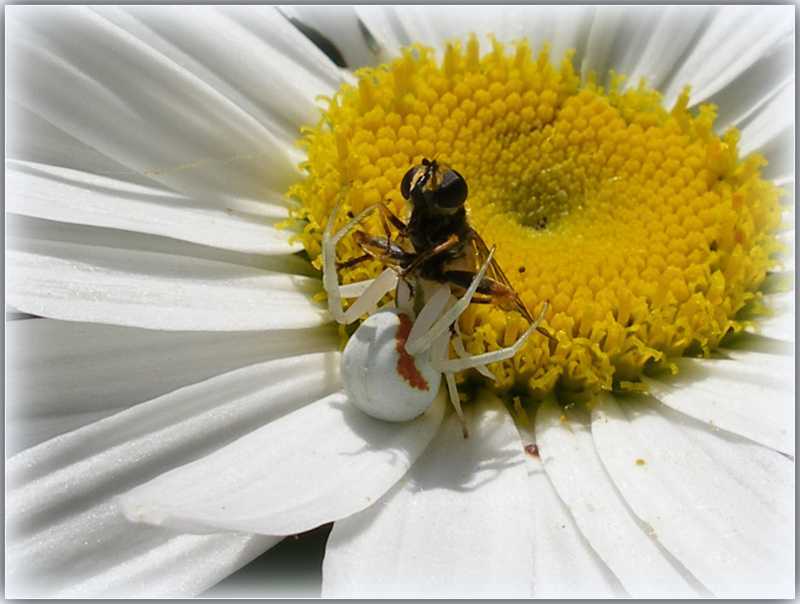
(645, 230)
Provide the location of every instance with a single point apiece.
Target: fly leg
(387, 217)
(446, 245)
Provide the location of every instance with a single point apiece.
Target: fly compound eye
(380, 377)
(452, 190)
(408, 181)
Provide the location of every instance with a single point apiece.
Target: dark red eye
(452, 191)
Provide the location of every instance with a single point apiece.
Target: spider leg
(455, 365)
(354, 290)
(439, 353)
(404, 297)
(458, 344)
(433, 308)
(330, 280)
(491, 291)
(367, 302)
(424, 341)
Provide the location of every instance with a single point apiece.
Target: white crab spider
(393, 364)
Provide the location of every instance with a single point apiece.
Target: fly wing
(481, 253)
(494, 272)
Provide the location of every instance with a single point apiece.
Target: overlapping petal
(78, 197)
(79, 282)
(754, 400)
(64, 529)
(564, 565)
(732, 40)
(780, 323)
(339, 23)
(717, 514)
(55, 386)
(178, 126)
(459, 524)
(577, 473)
(325, 462)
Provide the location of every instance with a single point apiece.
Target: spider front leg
(434, 308)
(458, 344)
(455, 365)
(417, 343)
(439, 353)
(491, 291)
(370, 296)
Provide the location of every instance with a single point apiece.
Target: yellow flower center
(643, 229)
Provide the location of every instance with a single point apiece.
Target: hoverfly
(446, 249)
(433, 253)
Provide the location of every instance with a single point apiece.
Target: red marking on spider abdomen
(406, 366)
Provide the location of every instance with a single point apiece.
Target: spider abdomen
(381, 377)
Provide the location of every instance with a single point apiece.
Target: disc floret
(642, 227)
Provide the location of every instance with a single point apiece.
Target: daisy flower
(178, 408)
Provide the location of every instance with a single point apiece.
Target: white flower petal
(734, 543)
(341, 26)
(781, 324)
(158, 291)
(787, 238)
(62, 374)
(383, 25)
(771, 133)
(639, 41)
(571, 462)
(736, 37)
(768, 123)
(564, 565)
(75, 68)
(775, 366)
(79, 197)
(31, 138)
(394, 27)
(182, 566)
(321, 463)
(182, 425)
(458, 525)
(786, 234)
(766, 474)
(604, 30)
(663, 34)
(25, 233)
(563, 27)
(733, 395)
(99, 554)
(59, 500)
(233, 49)
(748, 93)
(570, 30)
